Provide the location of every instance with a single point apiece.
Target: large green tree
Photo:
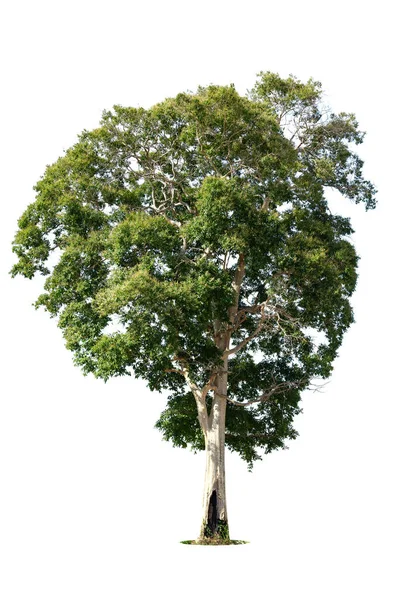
(192, 245)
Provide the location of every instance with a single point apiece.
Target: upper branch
(250, 337)
(274, 312)
(236, 284)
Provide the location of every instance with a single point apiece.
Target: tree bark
(214, 525)
(214, 512)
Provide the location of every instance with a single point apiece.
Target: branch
(279, 388)
(278, 311)
(207, 252)
(236, 284)
(209, 386)
(265, 204)
(172, 222)
(175, 371)
(246, 340)
(199, 395)
(226, 260)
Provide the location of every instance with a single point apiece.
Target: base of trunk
(216, 531)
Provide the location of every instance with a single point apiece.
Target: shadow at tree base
(218, 542)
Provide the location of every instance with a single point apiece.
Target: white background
(92, 503)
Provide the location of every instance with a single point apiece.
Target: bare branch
(207, 252)
(172, 222)
(265, 204)
(275, 313)
(175, 371)
(246, 340)
(236, 284)
(279, 388)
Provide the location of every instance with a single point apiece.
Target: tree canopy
(166, 227)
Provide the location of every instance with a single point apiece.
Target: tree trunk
(214, 513)
(214, 525)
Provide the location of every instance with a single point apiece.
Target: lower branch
(279, 388)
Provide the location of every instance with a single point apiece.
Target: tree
(192, 245)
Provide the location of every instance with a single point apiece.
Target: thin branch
(265, 204)
(279, 388)
(172, 222)
(246, 340)
(175, 371)
(276, 313)
(207, 252)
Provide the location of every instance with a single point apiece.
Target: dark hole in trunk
(212, 512)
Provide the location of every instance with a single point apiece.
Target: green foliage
(265, 426)
(221, 533)
(222, 529)
(144, 219)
